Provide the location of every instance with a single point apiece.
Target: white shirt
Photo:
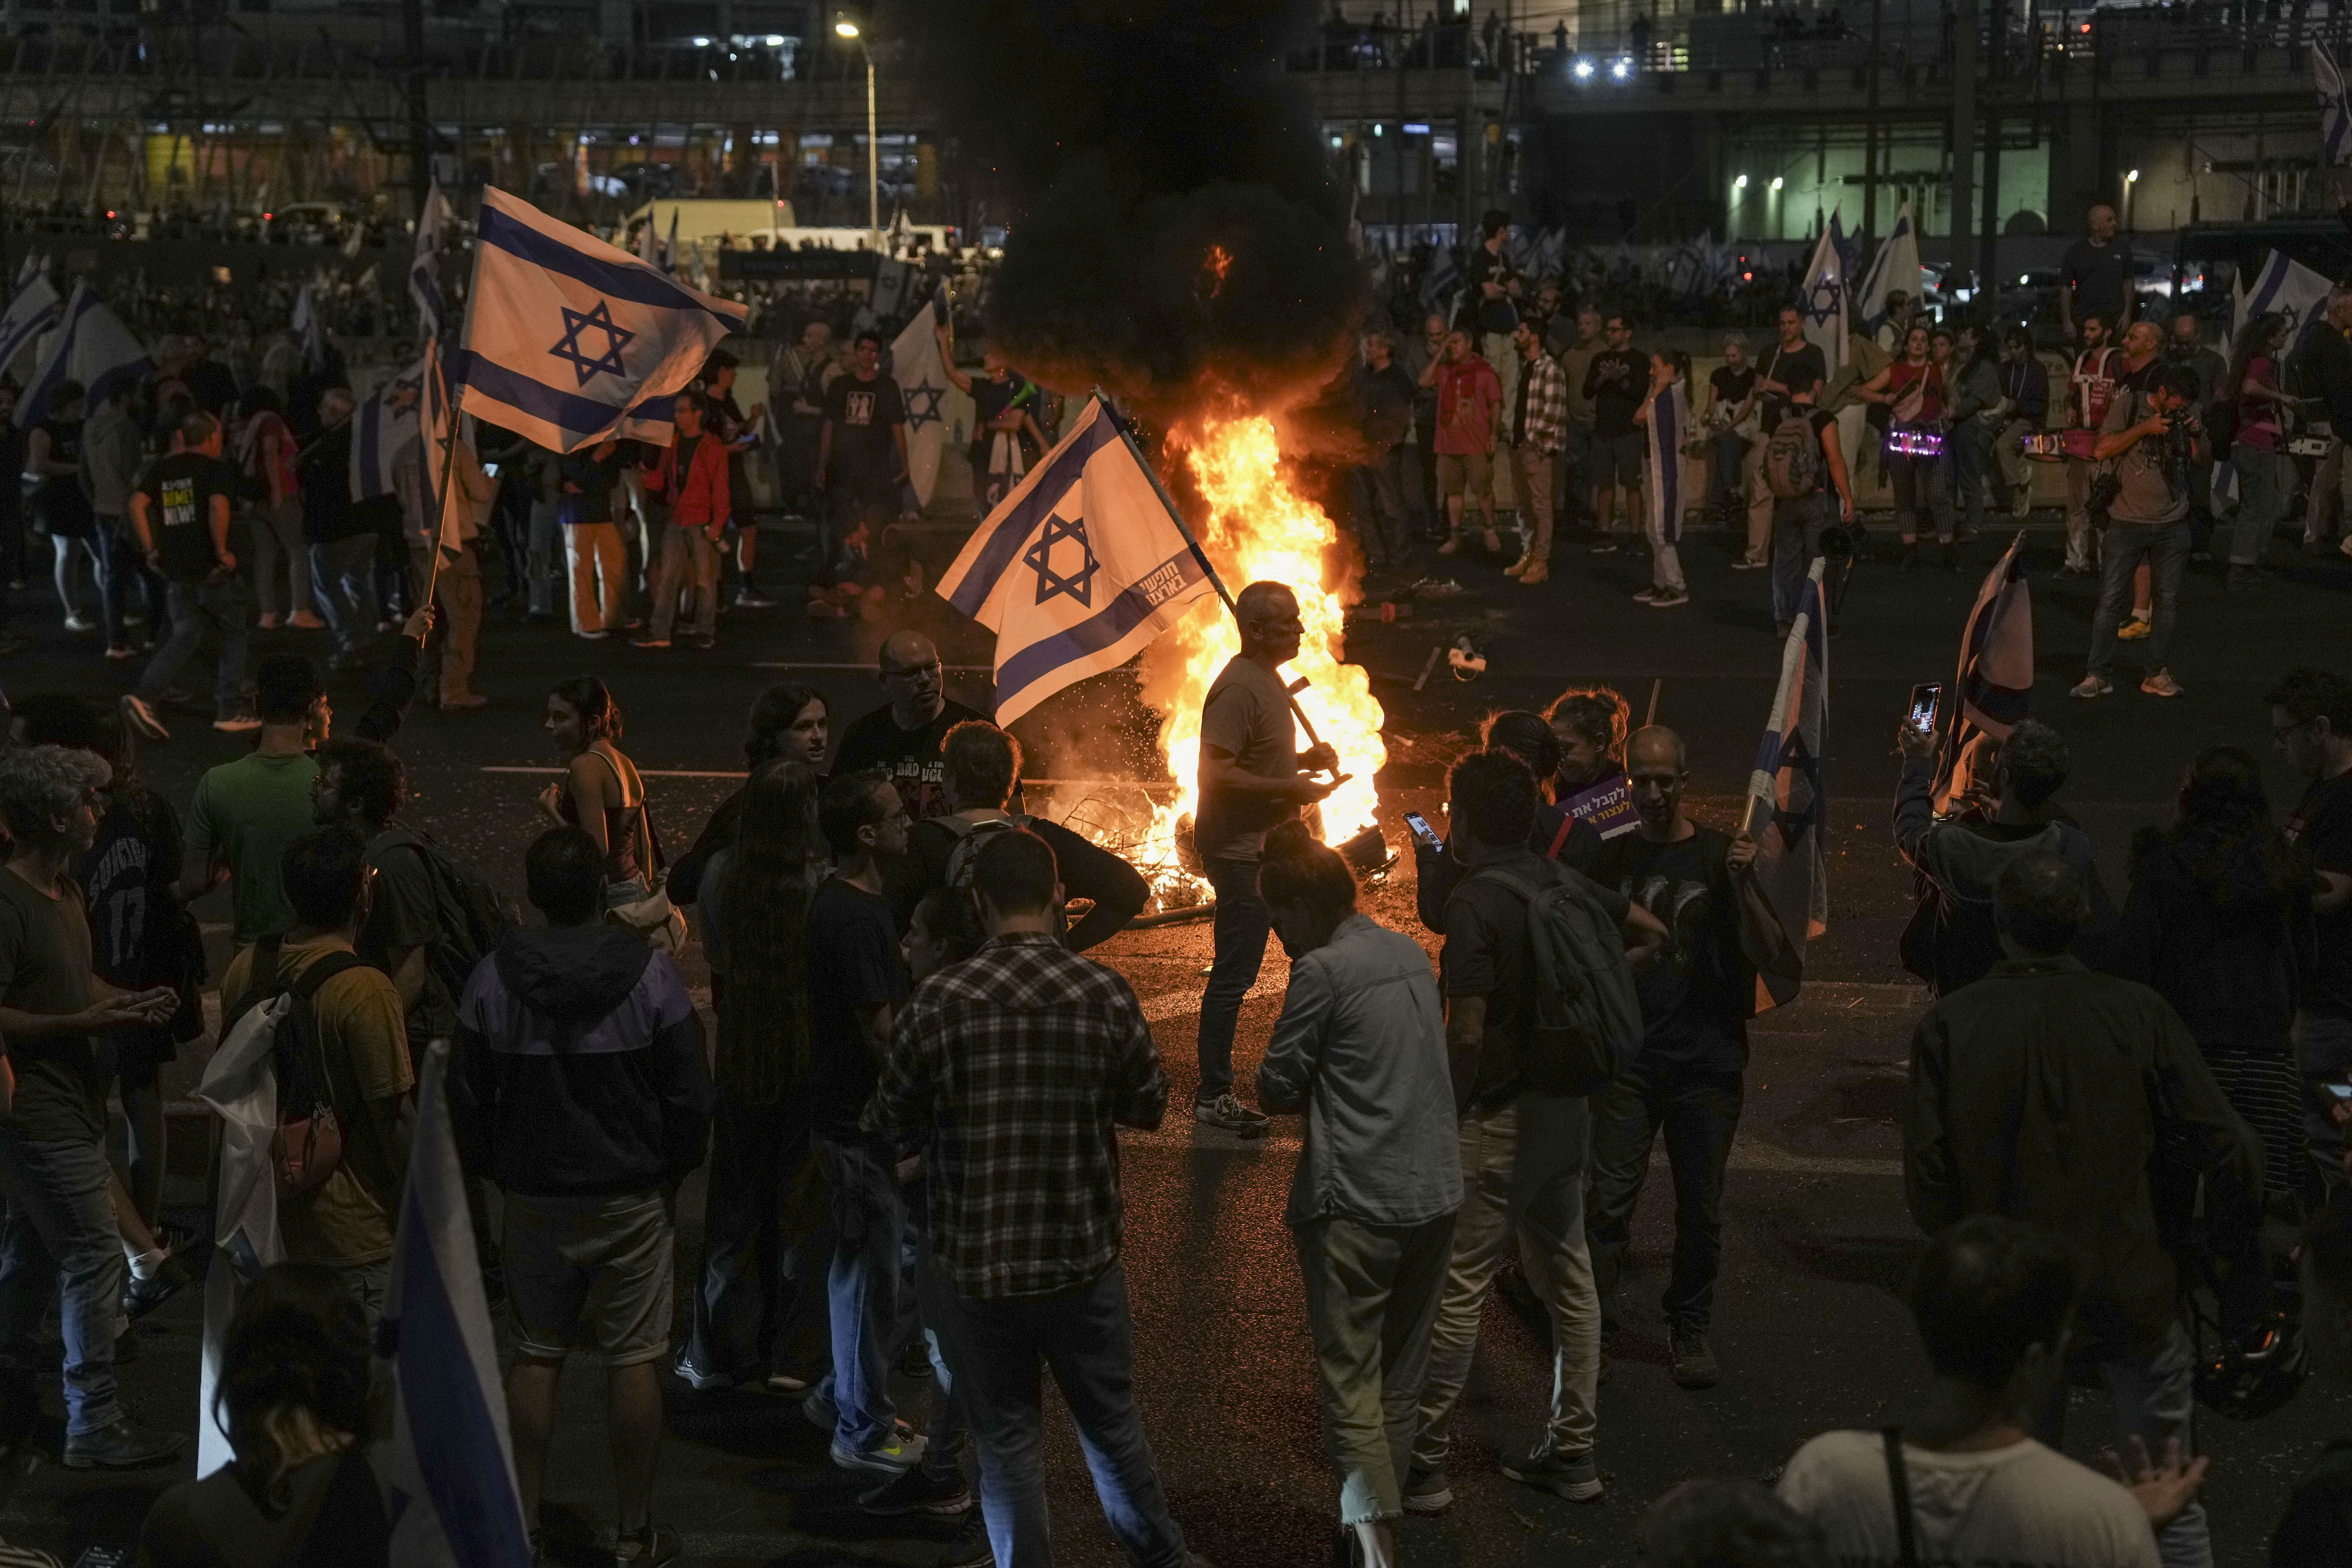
(2022, 1507)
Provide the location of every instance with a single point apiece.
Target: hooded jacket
(578, 1065)
(1954, 942)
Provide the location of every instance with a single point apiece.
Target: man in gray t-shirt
(1252, 776)
(2150, 443)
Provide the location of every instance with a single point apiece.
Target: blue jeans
(996, 1350)
(1725, 452)
(1243, 925)
(1969, 448)
(863, 1287)
(1796, 539)
(59, 1239)
(119, 571)
(1698, 1111)
(2164, 547)
(2155, 1400)
(223, 608)
(343, 576)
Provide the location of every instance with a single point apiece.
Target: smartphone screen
(1421, 830)
(1926, 699)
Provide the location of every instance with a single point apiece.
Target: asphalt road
(1809, 1327)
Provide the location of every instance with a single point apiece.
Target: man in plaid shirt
(1015, 1065)
(1538, 431)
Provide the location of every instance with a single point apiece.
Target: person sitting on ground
(983, 765)
(1951, 940)
(1994, 1302)
(904, 736)
(1361, 1051)
(308, 1481)
(578, 1088)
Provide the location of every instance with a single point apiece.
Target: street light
(1776, 182)
(850, 29)
(1740, 184)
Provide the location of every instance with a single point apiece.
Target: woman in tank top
(600, 792)
(1912, 389)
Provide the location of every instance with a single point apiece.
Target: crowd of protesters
(909, 1105)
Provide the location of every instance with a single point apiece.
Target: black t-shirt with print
(180, 490)
(911, 757)
(1693, 1017)
(862, 413)
(1732, 386)
(1618, 380)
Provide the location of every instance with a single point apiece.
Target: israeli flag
(1788, 793)
(1079, 569)
(1894, 269)
(568, 338)
(308, 330)
(411, 404)
(1669, 428)
(30, 310)
(425, 266)
(92, 346)
(454, 1498)
(240, 1085)
(2335, 117)
(2285, 286)
(1822, 300)
(922, 379)
(32, 267)
(1441, 282)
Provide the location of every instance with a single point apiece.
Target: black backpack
(471, 913)
(1587, 1025)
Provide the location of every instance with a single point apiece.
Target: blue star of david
(1080, 583)
(1795, 819)
(615, 340)
(923, 404)
(1822, 304)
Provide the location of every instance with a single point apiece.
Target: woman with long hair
(266, 450)
(1912, 391)
(2258, 452)
(763, 1210)
(296, 1400)
(2220, 922)
(789, 723)
(601, 793)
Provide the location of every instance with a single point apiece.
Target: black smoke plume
(1178, 235)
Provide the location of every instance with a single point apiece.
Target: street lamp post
(850, 29)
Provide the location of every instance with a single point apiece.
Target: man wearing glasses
(1252, 776)
(904, 737)
(2311, 719)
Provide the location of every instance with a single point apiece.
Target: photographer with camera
(2151, 439)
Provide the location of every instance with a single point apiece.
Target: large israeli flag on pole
(1822, 301)
(454, 1497)
(568, 338)
(30, 311)
(410, 406)
(1080, 568)
(2335, 117)
(1894, 269)
(425, 265)
(92, 346)
(1788, 793)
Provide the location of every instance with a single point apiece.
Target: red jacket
(700, 498)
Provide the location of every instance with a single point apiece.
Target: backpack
(471, 914)
(1793, 457)
(970, 839)
(308, 1146)
(1588, 1017)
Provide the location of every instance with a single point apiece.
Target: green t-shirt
(246, 814)
(45, 968)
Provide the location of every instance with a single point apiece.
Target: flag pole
(441, 502)
(1207, 566)
(1763, 788)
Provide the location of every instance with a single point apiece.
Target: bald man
(1252, 776)
(1696, 998)
(904, 737)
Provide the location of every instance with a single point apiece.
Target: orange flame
(1219, 263)
(1261, 530)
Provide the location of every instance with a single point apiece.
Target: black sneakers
(916, 1492)
(122, 1444)
(1231, 1114)
(1693, 1359)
